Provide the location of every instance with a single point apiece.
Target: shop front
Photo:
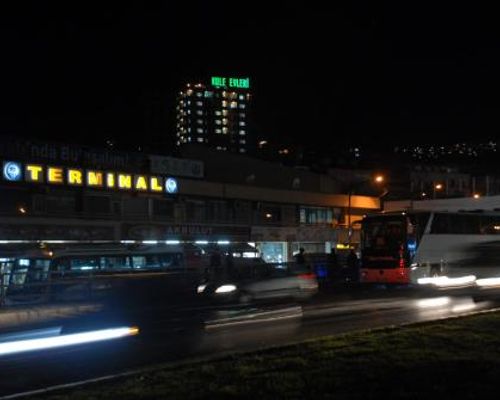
(280, 244)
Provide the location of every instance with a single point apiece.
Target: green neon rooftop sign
(235, 83)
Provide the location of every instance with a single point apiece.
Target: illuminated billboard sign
(232, 83)
(14, 171)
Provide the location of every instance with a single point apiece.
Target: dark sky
(358, 73)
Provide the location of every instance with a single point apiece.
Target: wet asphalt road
(203, 330)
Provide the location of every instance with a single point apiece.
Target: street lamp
(378, 179)
(437, 186)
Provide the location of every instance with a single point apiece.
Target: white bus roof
(485, 203)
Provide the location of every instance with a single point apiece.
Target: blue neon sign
(12, 171)
(171, 185)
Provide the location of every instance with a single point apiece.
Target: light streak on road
(20, 346)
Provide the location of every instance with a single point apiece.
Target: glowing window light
(66, 340)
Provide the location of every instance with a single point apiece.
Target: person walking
(300, 258)
(332, 266)
(352, 266)
(216, 263)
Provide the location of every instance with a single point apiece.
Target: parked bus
(440, 248)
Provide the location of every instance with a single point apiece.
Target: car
(262, 282)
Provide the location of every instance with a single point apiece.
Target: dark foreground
(458, 358)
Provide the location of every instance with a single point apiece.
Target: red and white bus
(437, 248)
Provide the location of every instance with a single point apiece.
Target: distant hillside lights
(14, 171)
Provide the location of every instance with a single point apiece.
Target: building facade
(215, 114)
(58, 193)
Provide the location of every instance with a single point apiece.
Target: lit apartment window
(242, 132)
(199, 130)
(242, 150)
(225, 112)
(199, 121)
(200, 140)
(224, 121)
(218, 112)
(224, 94)
(219, 148)
(198, 112)
(243, 141)
(234, 104)
(208, 94)
(242, 123)
(224, 130)
(199, 94)
(189, 92)
(189, 129)
(199, 103)
(188, 102)
(217, 121)
(224, 103)
(241, 97)
(218, 131)
(242, 106)
(242, 115)
(189, 138)
(189, 111)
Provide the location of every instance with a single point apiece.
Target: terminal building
(58, 193)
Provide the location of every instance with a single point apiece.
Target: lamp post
(436, 186)
(378, 179)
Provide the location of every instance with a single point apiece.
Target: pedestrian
(230, 272)
(215, 262)
(332, 266)
(300, 258)
(352, 265)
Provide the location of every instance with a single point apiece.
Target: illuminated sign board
(14, 171)
(233, 83)
(171, 185)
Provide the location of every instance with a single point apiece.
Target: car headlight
(225, 289)
(201, 288)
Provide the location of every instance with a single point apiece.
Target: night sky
(355, 74)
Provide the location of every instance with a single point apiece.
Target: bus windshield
(384, 233)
